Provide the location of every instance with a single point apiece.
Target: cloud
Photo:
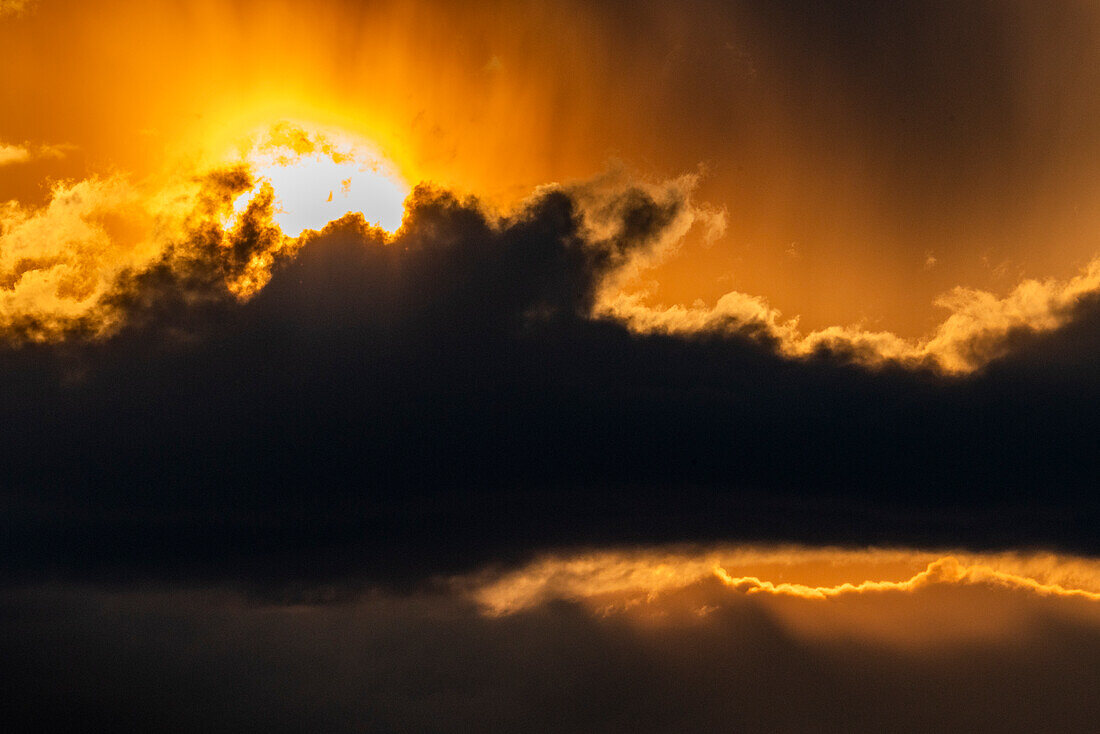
(621, 580)
(945, 570)
(12, 154)
(14, 7)
(56, 261)
(696, 659)
(191, 393)
(615, 208)
(86, 263)
(980, 327)
(68, 271)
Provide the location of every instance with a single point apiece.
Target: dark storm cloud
(390, 409)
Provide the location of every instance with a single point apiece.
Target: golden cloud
(946, 570)
(977, 330)
(620, 580)
(65, 267)
(58, 261)
(10, 154)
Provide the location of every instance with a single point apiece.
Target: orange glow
(944, 570)
(622, 580)
(497, 98)
(494, 99)
(60, 260)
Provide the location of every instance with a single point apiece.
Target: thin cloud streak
(11, 154)
(653, 573)
(946, 570)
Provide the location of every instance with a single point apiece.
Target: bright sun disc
(318, 178)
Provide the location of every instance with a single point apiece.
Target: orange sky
(924, 173)
(867, 163)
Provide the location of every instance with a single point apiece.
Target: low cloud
(946, 570)
(701, 657)
(624, 579)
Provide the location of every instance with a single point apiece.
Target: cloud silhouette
(68, 269)
(231, 402)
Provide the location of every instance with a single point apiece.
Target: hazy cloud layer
(700, 656)
(14, 7)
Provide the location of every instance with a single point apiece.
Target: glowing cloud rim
(619, 580)
(62, 264)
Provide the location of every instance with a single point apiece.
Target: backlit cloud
(979, 328)
(62, 261)
(67, 268)
(549, 366)
(514, 351)
(624, 579)
(57, 262)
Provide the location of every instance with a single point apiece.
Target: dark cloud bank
(385, 413)
(394, 410)
(172, 661)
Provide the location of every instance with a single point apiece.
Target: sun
(319, 176)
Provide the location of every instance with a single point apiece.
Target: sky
(549, 366)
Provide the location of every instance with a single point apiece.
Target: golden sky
(615, 366)
(867, 163)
